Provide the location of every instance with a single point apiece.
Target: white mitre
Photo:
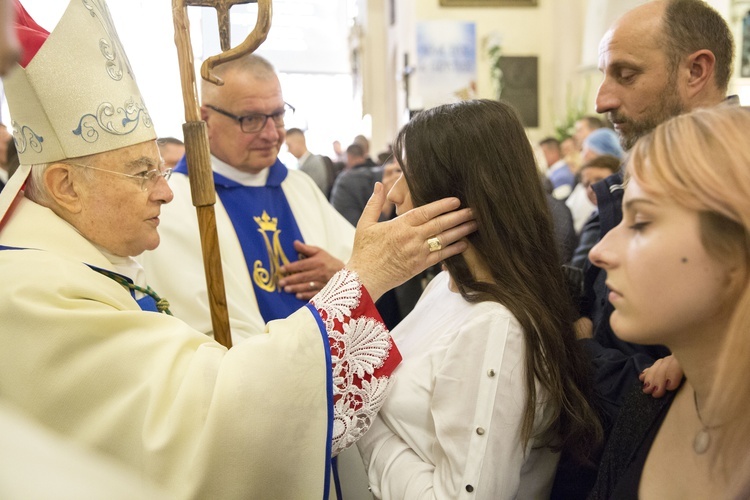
(76, 97)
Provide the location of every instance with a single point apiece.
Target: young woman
(492, 384)
(677, 269)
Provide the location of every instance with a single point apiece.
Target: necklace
(702, 439)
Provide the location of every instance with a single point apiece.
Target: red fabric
(367, 308)
(30, 34)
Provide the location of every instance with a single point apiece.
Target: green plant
(494, 47)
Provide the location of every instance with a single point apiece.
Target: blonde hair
(701, 160)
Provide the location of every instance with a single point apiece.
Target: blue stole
(266, 229)
(331, 463)
(147, 303)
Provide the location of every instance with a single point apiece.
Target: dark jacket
(353, 188)
(627, 449)
(616, 363)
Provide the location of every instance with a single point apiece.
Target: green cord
(162, 305)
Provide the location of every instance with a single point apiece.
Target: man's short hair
(295, 131)
(692, 25)
(250, 64)
(355, 150)
(593, 122)
(611, 163)
(362, 141)
(260, 67)
(550, 142)
(163, 141)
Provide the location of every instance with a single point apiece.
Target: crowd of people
(445, 319)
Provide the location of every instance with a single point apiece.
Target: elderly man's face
(114, 212)
(639, 91)
(240, 95)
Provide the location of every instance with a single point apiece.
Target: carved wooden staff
(196, 137)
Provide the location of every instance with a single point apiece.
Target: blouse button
(490, 372)
(469, 488)
(480, 431)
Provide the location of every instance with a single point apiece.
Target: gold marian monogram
(268, 279)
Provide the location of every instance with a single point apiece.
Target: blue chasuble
(266, 229)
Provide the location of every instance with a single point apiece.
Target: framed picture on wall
(520, 86)
(488, 3)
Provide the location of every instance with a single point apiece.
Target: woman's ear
(736, 276)
(63, 186)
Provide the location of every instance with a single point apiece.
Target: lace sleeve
(362, 355)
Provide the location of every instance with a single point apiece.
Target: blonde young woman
(492, 384)
(677, 269)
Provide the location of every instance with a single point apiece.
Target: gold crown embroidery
(266, 223)
(268, 279)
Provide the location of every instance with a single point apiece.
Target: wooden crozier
(196, 137)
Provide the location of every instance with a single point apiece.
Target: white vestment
(36, 464)
(175, 268)
(164, 399)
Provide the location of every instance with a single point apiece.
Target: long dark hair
(478, 151)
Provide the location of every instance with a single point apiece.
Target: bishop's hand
(387, 254)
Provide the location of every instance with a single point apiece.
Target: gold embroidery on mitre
(268, 279)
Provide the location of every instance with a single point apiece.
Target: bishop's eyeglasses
(147, 179)
(254, 122)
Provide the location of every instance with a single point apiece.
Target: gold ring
(312, 285)
(434, 244)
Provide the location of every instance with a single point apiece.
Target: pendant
(701, 442)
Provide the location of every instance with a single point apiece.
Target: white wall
(552, 31)
(564, 34)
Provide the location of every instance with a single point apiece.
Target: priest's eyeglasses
(147, 179)
(254, 122)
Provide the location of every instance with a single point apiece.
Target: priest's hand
(307, 276)
(387, 254)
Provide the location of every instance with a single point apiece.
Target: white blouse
(451, 426)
